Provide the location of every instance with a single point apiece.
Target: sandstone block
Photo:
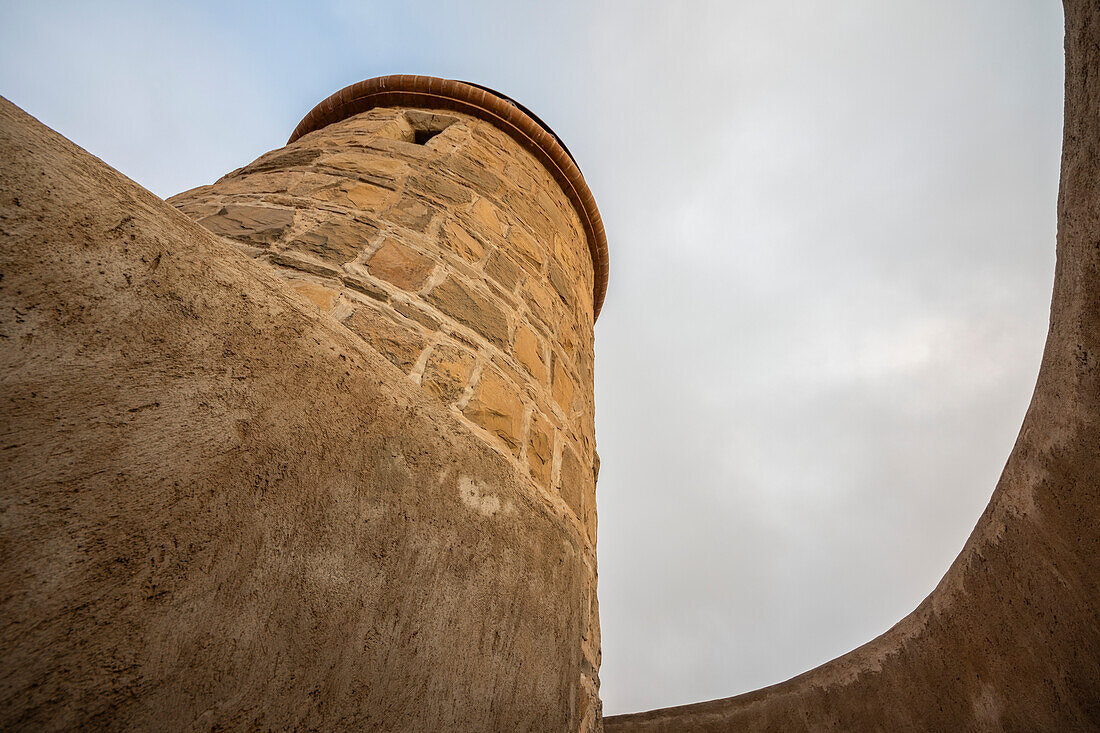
(433, 123)
(257, 225)
(519, 203)
(358, 195)
(570, 248)
(417, 314)
(529, 251)
(573, 481)
(496, 407)
(407, 150)
(455, 238)
(289, 182)
(555, 209)
(590, 522)
(364, 286)
(410, 213)
(475, 172)
(562, 283)
(363, 164)
(541, 302)
(335, 241)
(503, 269)
(447, 372)
(528, 351)
(540, 449)
(567, 337)
(564, 390)
(293, 157)
(322, 297)
(400, 345)
(400, 265)
(592, 629)
(285, 259)
(488, 218)
(461, 302)
(441, 188)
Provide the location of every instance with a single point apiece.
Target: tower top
(477, 101)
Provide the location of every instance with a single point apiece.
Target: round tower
(450, 229)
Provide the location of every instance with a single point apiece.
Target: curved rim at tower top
(503, 112)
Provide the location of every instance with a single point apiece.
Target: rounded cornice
(429, 92)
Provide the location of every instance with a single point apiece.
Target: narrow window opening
(421, 137)
(426, 125)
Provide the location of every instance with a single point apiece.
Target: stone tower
(325, 460)
(449, 228)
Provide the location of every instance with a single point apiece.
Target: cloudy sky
(832, 245)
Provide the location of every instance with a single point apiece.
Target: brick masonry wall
(447, 247)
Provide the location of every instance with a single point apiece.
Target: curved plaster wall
(1010, 638)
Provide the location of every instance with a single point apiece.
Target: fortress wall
(463, 262)
(223, 509)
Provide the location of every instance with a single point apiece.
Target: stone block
(447, 372)
(541, 302)
(503, 269)
(417, 314)
(528, 350)
(564, 390)
(573, 481)
(256, 225)
(590, 518)
(461, 302)
(365, 287)
(540, 449)
(406, 150)
(487, 218)
(334, 241)
(358, 195)
(475, 172)
(362, 163)
(284, 259)
(440, 188)
(496, 407)
(401, 346)
(454, 237)
(562, 283)
(290, 157)
(518, 203)
(289, 182)
(433, 123)
(322, 297)
(529, 251)
(400, 265)
(570, 249)
(567, 336)
(410, 213)
(590, 642)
